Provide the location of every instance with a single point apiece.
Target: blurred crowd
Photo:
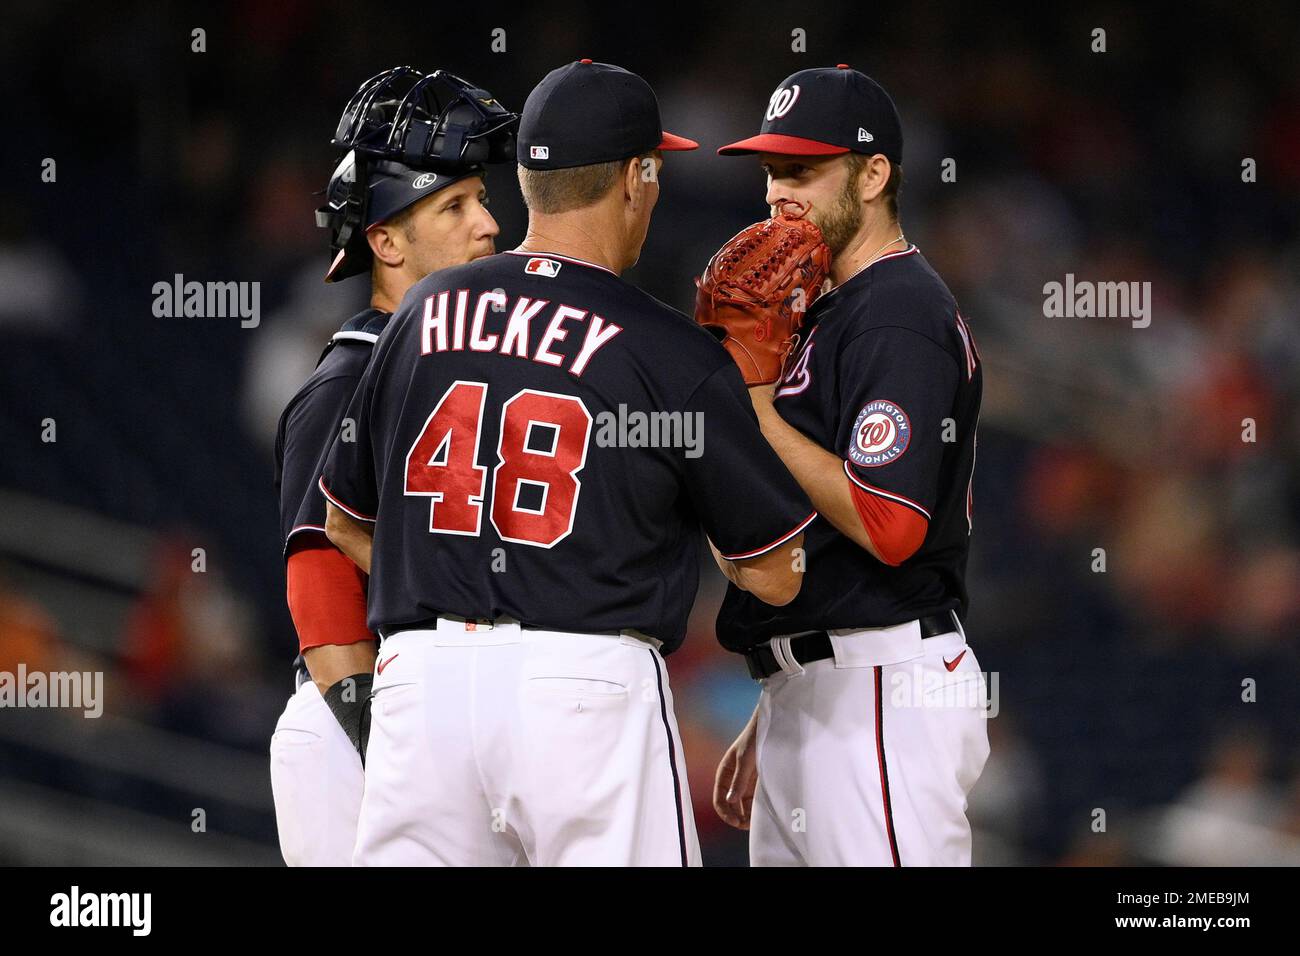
(1135, 571)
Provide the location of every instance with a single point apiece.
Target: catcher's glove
(756, 289)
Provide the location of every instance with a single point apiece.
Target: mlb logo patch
(542, 267)
(539, 152)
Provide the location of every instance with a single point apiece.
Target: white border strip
(556, 255)
(340, 505)
(885, 494)
(370, 337)
(775, 544)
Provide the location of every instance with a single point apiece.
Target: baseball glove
(756, 289)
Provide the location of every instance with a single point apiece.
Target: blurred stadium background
(1119, 690)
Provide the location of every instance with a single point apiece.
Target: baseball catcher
(406, 199)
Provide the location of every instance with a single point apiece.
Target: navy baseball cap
(394, 187)
(824, 111)
(390, 188)
(586, 113)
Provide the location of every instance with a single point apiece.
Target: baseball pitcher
(869, 730)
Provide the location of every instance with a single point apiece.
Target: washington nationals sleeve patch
(880, 435)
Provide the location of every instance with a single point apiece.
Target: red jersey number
(542, 447)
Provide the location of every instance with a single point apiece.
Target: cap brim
(780, 143)
(673, 141)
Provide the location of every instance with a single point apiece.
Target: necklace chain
(876, 255)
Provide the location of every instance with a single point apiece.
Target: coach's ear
(384, 245)
(638, 173)
(632, 185)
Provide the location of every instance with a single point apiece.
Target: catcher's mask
(407, 135)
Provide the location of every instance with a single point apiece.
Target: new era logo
(864, 136)
(539, 152)
(543, 267)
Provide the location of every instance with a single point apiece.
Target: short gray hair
(563, 190)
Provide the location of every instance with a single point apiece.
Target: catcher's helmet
(407, 134)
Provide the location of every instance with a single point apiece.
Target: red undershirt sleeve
(326, 593)
(896, 530)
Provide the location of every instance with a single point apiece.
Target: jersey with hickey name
(888, 379)
(538, 439)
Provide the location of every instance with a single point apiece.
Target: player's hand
(737, 778)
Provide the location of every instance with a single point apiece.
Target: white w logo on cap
(781, 102)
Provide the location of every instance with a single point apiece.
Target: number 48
(542, 445)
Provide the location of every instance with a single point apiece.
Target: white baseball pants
(316, 780)
(498, 745)
(866, 759)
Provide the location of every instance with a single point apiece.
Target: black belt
(816, 646)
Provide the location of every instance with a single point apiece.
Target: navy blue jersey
(538, 439)
(310, 423)
(887, 378)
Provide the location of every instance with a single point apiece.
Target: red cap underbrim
(673, 141)
(780, 143)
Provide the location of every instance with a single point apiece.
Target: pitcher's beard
(841, 222)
